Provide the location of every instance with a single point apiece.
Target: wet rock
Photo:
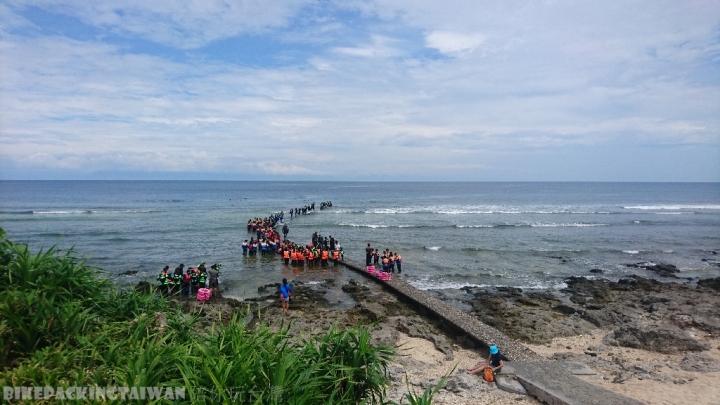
(663, 270)
(699, 362)
(129, 273)
(269, 287)
(564, 309)
(596, 271)
(352, 287)
(578, 299)
(713, 283)
(663, 339)
(143, 287)
(510, 290)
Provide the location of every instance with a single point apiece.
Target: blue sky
(553, 90)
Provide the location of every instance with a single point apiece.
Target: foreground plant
(63, 325)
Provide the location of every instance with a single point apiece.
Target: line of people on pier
(187, 283)
(326, 204)
(304, 210)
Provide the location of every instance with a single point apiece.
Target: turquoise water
(530, 235)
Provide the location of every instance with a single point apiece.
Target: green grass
(62, 324)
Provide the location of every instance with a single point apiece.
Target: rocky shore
(645, 339)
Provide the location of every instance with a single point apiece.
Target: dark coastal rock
(663, 270)
(699, 362)
(373, 311)
(663, 339)
(143, 287)
(597, 271)
(352, 287)
(564, 309)
(602, 303)
(510, 290)
(129, 273)
(269, 287)
(578, 299)
(713, 283)
(599, 291)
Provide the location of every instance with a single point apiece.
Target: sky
(360, 90)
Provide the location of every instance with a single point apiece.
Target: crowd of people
(268, 238)
(188, 282)
(388, 259)
(317, 253)
(326, 204)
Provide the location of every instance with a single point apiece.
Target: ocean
(527, 235)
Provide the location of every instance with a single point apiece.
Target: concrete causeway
(479, 331)
(550, 381)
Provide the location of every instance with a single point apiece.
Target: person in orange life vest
(336, 256)
(324, 258)
(286, 256)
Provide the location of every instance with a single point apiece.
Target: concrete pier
(552, 382)
(482, 333)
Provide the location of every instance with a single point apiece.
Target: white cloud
(531, 77)
(453, 42)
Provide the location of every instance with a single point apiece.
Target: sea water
(527, 235)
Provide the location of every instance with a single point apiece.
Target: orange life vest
(336, 255)
(325, 255)
(286, 255)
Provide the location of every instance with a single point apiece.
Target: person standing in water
(214, 274)
(368, 254)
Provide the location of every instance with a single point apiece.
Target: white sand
(700, 389)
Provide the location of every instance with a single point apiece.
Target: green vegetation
(427, 396)
(62, 324)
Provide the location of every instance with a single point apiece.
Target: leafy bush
(62, 324)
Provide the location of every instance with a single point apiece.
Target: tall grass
(62, 324)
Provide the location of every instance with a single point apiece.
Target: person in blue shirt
(285, 293)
